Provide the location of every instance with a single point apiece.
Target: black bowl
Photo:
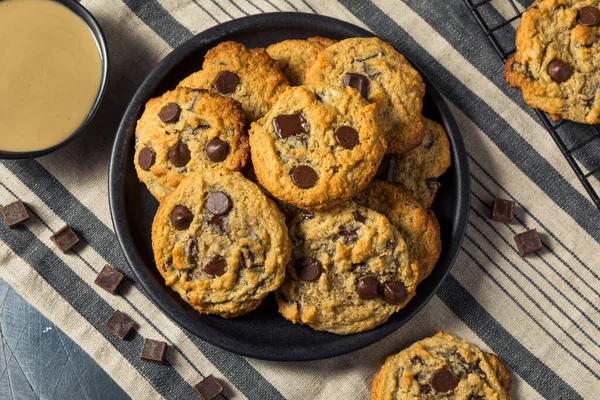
(93, 25)
(263, 333)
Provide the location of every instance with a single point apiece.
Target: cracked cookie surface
(317, 147)
(381, 75)
(349, 271)
(442, 367)
(184, 131)
(557, 62)
(220, 243)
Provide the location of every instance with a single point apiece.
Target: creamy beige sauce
(50, 72)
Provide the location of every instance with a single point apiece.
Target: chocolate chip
(589, 16)
(209, 388)
(304, 176)
(192, 251)
(307, 215)
(417, 360)
(216, 221)
(425, 388)
(170, 113)
(15, 213)
(528, 242)
(181, 217)
(65, 238)
(179, 154)
(358, 82)
(348, 234)
(119, 324)
(146, 158)
(559, 71)
(227, 82)
(346, 136)
(503, 210)
(216, 150)
(216, 266)
(288, 125)
(394, 292)
(242, 260)
(308, 269)
(153, 351)
(109, 279)
(218, 203)
(368, 287)
(443, 380)
(358, 217)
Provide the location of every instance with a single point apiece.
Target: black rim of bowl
(100, 40)
(157, 291)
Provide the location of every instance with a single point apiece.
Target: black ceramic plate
(263, 333)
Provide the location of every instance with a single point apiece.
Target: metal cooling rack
(498, 27)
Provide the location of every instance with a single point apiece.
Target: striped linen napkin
(539, 314)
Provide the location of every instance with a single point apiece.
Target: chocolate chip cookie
(442, 367)
(557, 62)
(184, 131)
(249, 76)
(417, 225)
(349, 272)
(295, 56)
(220, 243)
(381, 75)
(419, 169)
(317, 147)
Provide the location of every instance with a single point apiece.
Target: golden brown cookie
(249, 76)
(557, 62)
(317, 147)
(220, 243)
(441, 367)
(417, 225)
(381, 75)
(295, 56)
(349, 272)
(184, 131)
(419, 169)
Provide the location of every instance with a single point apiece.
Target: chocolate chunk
(217, 150)
(216, 266)
(288, 125)
(65, 238)
(153, 351)
(304, 176)
(589, 16)
(209, 388)
(346, 136)
(443, 380)
(528, 242)
(417, 360)
(242, 260)
(109, 279)
(192, 251)
(217, 222)
(307, 215)
(119, 324)
(358, 82)
(348, 234)
(218, 203)
(503, 210)
(227, 82)
(368, 287)
(146, 158)
(425, 388)
(358, 217)
(179, 155)
(559, 71)
(394, 292)
(308, 269)
(181, 217)
(170, 113)
(15, 213)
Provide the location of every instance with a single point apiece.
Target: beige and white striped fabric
(539, 314)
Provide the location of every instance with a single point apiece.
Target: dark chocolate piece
(358, 217)
(368, 287)
(308, 269)
(307, 215)
(15, 213)
(216, 266)
(153, 351)
(170, 113)
(109, 279)
(443, 380)
(358, 82)
(304, 176)
(349, 235)
(65, 238)
(394, 292)
(216, 150)
(227, 82)
(589, 16)
(181, 217)
(528, 242)
(179, 155)
(192, 251)
(146, 158)
(288, 125)
(559, 71)
(218, 203)
(209, 388)
(119, 324)
(346, 136)
(503, 210)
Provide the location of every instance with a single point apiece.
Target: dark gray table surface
(38, 361)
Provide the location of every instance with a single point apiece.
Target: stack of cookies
(264, 162)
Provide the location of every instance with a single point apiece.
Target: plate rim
(162, 70)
